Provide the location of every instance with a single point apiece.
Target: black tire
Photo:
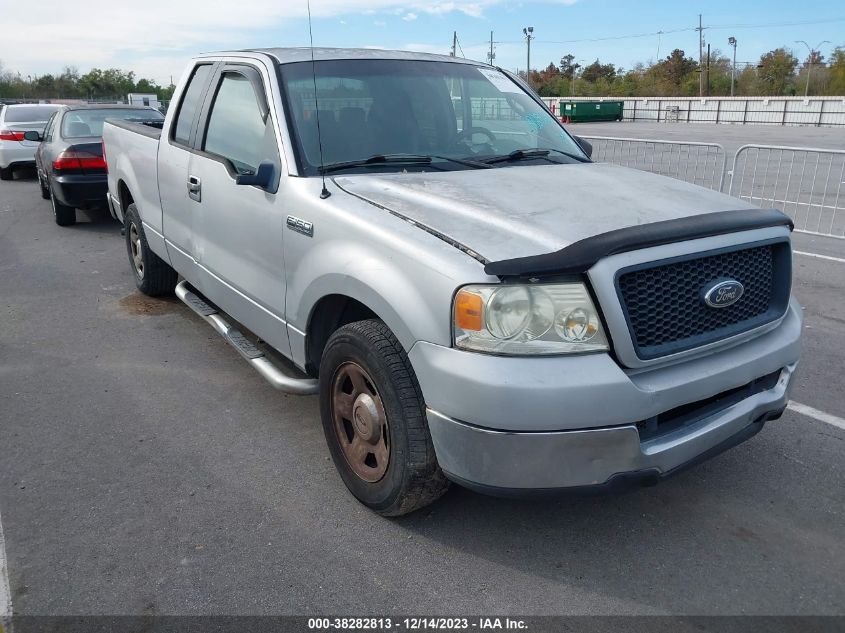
(413, 478)
(63, 214)
(5, 173)
(45, 190)
(155, 277)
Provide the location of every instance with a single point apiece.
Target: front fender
(414, 301)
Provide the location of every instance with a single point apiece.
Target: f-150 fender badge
(300, 226)
(723, 293)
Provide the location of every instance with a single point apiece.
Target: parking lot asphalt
(145, 469)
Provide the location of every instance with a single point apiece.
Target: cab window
(236, 130)
(191, 101)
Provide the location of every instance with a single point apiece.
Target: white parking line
(817, 256)
(5, 595)
(821, 416)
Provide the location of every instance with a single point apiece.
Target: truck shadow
(714, 530)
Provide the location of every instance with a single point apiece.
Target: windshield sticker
(500, 80)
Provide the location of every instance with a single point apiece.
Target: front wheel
(5, 173)
(153, 276)
(374, 420)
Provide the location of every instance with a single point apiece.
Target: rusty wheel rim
(360, 422)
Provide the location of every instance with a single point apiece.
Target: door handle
(194, 188)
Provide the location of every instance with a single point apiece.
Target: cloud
(150, 35)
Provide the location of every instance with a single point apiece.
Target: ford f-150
(471, 297)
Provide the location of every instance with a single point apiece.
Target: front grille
(663, 301)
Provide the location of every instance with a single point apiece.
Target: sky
(155, 38)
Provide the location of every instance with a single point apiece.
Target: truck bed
(149, 128)
(131, 151)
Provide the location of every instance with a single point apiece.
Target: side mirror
(32, 135)
(262, 178)
(586, 146)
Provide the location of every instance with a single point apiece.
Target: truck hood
(523, 211)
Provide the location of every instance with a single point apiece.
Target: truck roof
(303, 54)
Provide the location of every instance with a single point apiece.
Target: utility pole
(707, 79)
(810, 59)
(529, 35)
(454, 44)
(491, 55)
(700, 30)
(732, 42)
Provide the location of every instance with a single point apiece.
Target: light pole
(529, 35)
(732, 42)
(813, 51)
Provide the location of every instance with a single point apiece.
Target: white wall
(793, 111)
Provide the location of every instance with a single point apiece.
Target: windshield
(89, 123)
(441, 110)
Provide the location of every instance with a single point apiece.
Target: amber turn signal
(469, 311)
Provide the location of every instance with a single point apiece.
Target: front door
(238, 229)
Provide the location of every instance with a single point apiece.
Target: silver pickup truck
(420, 242)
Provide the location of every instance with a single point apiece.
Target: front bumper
(81, 191)
(504, 462)
(546, 423)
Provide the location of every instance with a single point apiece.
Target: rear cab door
(238, 230)
(175, 149)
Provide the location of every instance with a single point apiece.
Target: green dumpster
(590, 111)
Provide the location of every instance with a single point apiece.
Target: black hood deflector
(580, 256)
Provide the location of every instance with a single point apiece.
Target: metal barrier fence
(698, 163)
(806, 183)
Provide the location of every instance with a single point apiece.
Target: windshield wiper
(407, 159)
(377, 159)
(530, 154)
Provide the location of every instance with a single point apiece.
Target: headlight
(524, 320)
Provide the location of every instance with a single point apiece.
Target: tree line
(96, 84)
(778, 73)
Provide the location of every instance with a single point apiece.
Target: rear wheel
(374, 420)
(5, 173)
(153, 276)
(64, 215)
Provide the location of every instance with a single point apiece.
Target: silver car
(471, 297)
(15, 120)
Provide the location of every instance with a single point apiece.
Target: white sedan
(15, 120)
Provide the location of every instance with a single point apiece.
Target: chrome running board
(250, 353)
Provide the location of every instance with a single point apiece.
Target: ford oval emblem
(724, 293)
